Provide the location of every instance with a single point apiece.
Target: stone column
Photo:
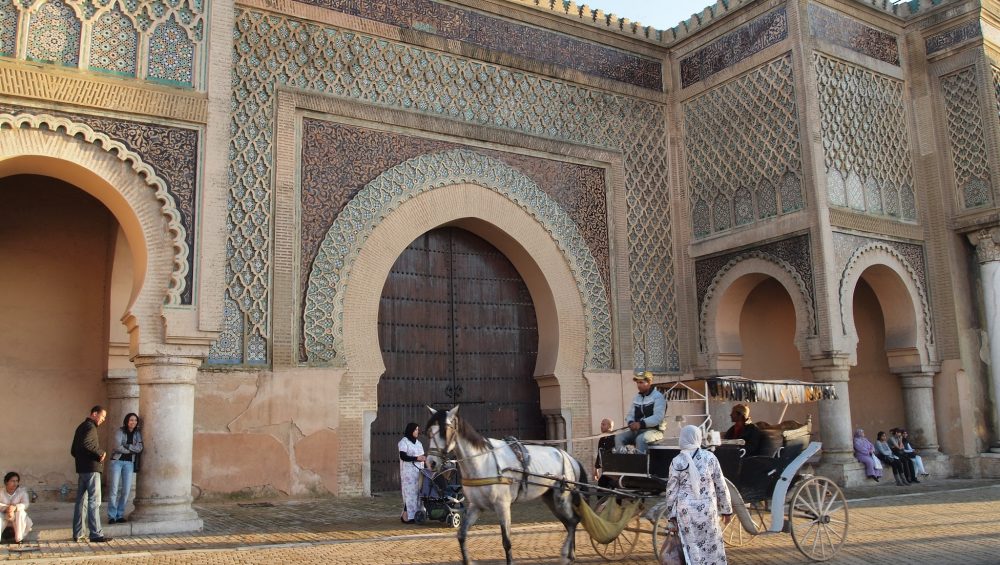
(918, 403)
(836, 433)
(123, 396)
(835, 415)
(166, 403)
(987, 244)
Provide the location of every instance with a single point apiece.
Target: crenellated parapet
(617, 24)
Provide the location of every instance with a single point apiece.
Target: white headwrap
(690, 442)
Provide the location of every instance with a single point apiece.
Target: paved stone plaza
(941, 522)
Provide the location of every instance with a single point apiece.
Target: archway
(897, 293)
(875, 393)
(456, 326)
(58, 247)
(721, 342)
(562, 324)
(756, 328)
(149, 220)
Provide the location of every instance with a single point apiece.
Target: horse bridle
(434, 451)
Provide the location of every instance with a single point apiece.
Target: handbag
(876, 462)
(673, 551)
(136, 462)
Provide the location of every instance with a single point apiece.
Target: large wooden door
(456, 326)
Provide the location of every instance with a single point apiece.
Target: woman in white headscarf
(696, 497)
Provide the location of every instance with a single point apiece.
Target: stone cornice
(55, 85)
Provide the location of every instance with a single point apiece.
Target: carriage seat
(780, 445)
(784, 441)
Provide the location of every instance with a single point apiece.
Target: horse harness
(523, 458)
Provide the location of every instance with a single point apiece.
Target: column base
(842, 469)
(161, 516)
(167, 527)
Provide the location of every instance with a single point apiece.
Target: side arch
(477, 174)
(903, 299)
(129, 188)
(720, 332)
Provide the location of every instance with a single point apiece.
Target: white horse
(494, 477)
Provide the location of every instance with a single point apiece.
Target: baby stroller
(441, 496)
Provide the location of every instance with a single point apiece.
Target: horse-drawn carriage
(811, 508)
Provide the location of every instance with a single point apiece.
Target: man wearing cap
(744, 429)
(645, 420)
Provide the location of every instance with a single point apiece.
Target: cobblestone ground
(943, 523)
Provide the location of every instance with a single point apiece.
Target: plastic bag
(672, 552)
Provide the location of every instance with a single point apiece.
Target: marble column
(987, 244)
(166, 403)
(836, 431)
(918, 404)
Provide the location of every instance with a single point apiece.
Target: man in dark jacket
(89, 456)
(744, 429)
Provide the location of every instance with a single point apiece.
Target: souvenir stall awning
(739, 389)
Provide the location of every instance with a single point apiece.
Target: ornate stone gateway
(456, 326)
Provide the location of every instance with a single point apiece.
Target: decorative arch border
(884, 254)
(168, 207)
(324, 301)
(775, 267)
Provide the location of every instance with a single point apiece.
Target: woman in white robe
(696, 497)
(411, 461)
(14, 507)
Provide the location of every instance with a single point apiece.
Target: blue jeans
(121, 476)
(88, 492)
(641, 438)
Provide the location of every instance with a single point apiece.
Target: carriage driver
(646, 419)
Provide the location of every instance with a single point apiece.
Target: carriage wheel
(661, 527)
(622, 546)
(735, 535)
(817, 518)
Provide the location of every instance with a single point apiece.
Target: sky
(661, 14)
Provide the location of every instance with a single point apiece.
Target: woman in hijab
(411, 461)
(696, 497)
(864, 451)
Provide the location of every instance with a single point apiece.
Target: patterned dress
(409, 476)
(697, 510)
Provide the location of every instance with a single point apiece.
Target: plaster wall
(876, 395)
(267, 433)
(55, 243)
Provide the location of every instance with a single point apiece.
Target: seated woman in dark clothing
(886, 456)
(743, 429)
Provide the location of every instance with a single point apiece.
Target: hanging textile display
(739, 389)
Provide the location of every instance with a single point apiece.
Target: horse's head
(441, 435)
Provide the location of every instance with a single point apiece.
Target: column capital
(831, 367)
(923, 379)
(166, 369)
(987, 242)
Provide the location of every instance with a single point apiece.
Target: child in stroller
(441, 496)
